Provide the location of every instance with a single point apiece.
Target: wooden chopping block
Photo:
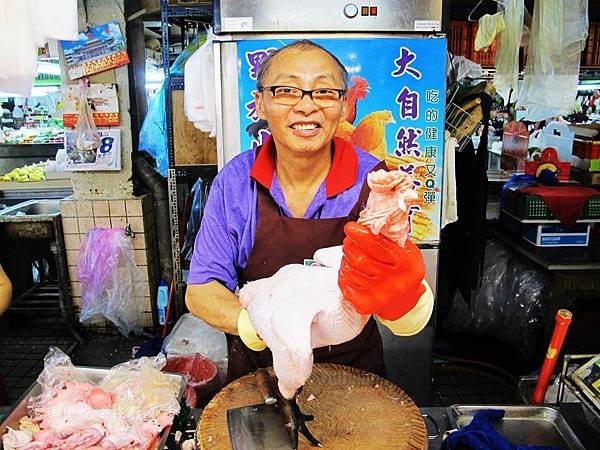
(353, 409)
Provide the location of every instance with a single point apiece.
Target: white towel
(24, 26)
(449, 203)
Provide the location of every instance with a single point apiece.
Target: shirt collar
(342, 173)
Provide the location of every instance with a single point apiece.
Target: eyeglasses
(290, 96)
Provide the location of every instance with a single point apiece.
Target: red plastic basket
(586, 149)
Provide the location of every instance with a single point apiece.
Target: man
(5, 291)
(5, 297)
(278, 205)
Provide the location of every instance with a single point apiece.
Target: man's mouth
(305, 126)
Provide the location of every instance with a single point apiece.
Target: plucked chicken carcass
(130, 407)
(301, 307)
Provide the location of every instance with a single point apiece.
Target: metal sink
(33, 219)
(33, 208)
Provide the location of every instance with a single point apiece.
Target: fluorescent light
(48, 68)
(587, 87)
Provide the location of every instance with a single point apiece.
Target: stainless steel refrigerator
(396, 58)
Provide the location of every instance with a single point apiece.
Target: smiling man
(278, 205)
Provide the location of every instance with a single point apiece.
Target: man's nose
(306, 103)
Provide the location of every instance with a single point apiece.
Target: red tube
(563, 320)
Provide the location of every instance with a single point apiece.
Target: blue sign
(395, 83)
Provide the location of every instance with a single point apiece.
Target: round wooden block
(353, 409)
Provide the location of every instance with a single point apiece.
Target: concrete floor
(23, 345)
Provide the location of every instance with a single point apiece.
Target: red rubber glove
(377, 275)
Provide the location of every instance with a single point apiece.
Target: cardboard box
(557, 235)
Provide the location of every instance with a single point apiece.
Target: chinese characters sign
(397, 84)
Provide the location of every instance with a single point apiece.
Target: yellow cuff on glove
(414, 320)
(248, 333)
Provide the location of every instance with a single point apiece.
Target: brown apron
(284, 240)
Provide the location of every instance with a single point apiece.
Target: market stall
(433, 285)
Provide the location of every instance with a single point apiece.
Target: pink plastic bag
(107, 273)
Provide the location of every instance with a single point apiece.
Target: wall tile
(140, 257)
(75, 289)
(118, 222)
(84, 208)
(134, 208)
(139, 241)
(102, 222)
(137, 223)
(144, 270)
(73, 273)
(71, 241)
(68, 208)
(85, 224)
(72, 257)
(141, 288)
(77, 301)
(70, 225)
(101, 208)
(117, 208)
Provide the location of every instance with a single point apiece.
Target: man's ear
(344, 110)
(258, 102)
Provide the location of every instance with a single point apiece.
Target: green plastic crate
(531, 207)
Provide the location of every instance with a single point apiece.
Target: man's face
(304, 128)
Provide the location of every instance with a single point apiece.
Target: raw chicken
(16, 438)
(71, 415)
(300, 308)
(391, 196)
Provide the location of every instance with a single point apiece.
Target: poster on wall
(104, 158)
(103, 101)
(99, 48)
(395, 109)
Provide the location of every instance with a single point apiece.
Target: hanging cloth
(26, 25)
(489, 27)
(507, 53)
(558, 35)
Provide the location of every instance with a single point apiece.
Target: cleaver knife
(259, 427)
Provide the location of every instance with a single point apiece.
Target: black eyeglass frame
(309, 92)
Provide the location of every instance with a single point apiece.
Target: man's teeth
(305, 126)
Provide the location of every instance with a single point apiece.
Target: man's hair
(300, 45)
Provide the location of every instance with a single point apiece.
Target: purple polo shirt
(226, 236)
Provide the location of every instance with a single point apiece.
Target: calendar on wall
(107, 156)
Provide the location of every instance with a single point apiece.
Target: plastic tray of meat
(94, 374)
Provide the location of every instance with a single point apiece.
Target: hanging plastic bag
(85, 137)
(507, 53)
(107, 273)
(199, 194)
(153, 135)
(558, 35)
(466, 68)
(199, 95)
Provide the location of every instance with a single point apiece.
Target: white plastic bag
(192, 335)
(507, 53)
(558, 34)
(559, 136)
(465, 68)
(85, 137)
(107, 273)
(199, 94)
